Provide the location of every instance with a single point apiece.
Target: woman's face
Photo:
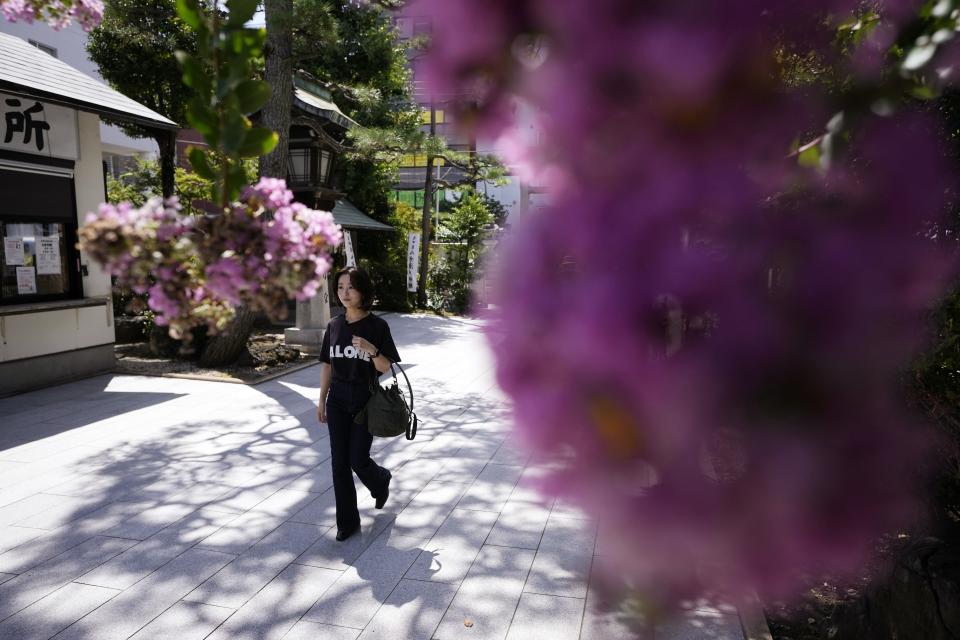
(349, 297)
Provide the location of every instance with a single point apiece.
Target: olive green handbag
(387, 413)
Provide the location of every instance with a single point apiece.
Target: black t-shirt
(350, 364)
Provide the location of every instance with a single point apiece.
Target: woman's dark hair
(361, 282)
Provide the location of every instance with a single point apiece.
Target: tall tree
(229, 345)
(278, 73)
(134, 50)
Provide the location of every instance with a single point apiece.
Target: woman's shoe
(382, 500)
(343, 534)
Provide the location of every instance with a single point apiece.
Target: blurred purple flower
(707, 336)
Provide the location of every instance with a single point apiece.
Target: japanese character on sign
(23, 122)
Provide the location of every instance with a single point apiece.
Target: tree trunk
(167, 142)
(427, 213)
(278, 73)
(226, 347)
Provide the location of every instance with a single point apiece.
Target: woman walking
(357, 347)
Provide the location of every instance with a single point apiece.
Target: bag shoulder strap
(409, 386)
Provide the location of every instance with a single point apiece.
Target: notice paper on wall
(13, 250)
(26, 280)
(48, 256)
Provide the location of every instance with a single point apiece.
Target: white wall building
(56, 315)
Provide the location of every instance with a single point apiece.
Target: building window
(36, 261)
(45, 48)
(38, 234)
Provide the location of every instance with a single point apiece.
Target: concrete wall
(88, 178)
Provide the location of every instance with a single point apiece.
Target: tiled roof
(28, 71)
(313, 98)
(349, 217)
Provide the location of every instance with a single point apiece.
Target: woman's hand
(364, 345)
(322, 410)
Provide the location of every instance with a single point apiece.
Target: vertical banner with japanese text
(413, 260)
(348, 248)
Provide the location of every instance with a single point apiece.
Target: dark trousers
(350, 451)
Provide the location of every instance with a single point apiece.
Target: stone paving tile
(244, 577)
(240, 534)
(322, 509)
(271, 613)
(178, 506)
(140, 604)
(184, 621)
(699, 625)
(27, 588)
(488, 596)
(491, 489)
(354, 599)
(316, 480)
(285, 502)
(510, 453)
(7, 576)
(482, 446)
(13, 536)
(28, 507)
(412, 611)
(541, 617)
(520, 524)
(53, 543)
(69, 509)
(304, 630)
(327, 552)
(55, 612)
(448, 555)
(566, 510)
(603, 621)
(426, 512)
(144, 558)
(562, 565)
(463, 470)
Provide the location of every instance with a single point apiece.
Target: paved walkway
(135, 507)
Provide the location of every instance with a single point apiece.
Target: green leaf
(252, 95)
(204, 119)
(259, 142)
(236, 178)
(924, 92)
(241, 11)
(810, 157)
(189, 12)
(200, 163)
(234, 133)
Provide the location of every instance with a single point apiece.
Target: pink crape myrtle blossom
(58, 13)
(707, 336)
(196, 269)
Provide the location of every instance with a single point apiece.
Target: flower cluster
(58, 13)
(262, 251)
(707, 334)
